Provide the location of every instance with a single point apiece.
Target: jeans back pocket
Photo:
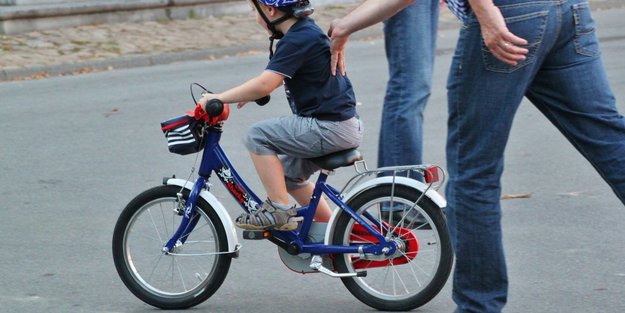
(529, 26)
(585, 40)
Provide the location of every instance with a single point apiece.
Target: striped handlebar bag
(184, 134)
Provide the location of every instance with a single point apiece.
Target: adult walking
(546, 51)
(410, 82)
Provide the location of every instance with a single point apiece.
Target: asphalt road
(74, 150)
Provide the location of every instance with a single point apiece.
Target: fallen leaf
(573, 193)
(113, 111)
(516, 196)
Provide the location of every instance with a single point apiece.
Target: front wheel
(419, 269)
(179, 279)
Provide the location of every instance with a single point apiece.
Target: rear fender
(431, 194)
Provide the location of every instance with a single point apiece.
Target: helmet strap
(275, 34)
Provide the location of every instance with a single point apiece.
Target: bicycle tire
(179, 280)
(386, 287)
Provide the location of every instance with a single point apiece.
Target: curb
(125, 62)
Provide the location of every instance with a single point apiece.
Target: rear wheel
(180, 279)
(416, 273)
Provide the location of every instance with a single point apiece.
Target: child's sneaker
(269, 217)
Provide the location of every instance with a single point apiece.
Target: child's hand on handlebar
(205, 98)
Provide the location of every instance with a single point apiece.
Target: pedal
(256, 234)
(296, 219)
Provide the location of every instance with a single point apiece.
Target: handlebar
(217, 111)
(264, 100)
(215, 107)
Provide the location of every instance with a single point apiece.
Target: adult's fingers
(337, 50)
(337, 59)
(508, 48)
(334, 60)
(340, 64)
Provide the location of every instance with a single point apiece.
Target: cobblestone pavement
(91, 48)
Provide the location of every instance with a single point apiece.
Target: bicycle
(387, 238)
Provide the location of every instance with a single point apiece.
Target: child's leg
(271, 174)
(302, 196)
(275, 213)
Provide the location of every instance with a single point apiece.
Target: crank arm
(316, 264)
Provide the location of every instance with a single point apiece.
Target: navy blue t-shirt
(302, 56)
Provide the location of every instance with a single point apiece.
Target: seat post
(323, 175)
(327, 172)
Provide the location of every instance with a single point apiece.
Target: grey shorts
(295, 139)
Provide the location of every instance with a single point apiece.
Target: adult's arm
(365, 15)
(503, 44)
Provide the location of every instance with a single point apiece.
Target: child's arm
(251, 90)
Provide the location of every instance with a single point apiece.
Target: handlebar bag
(183, 134)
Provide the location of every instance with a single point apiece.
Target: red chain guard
(361, 235)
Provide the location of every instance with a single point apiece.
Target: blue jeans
(410, 41)
(563, 76)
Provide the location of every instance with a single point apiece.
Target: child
(324, 116)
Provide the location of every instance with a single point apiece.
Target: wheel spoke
(146, 236)
(184, 285)
(411, 266)
(158, 260)
(164, 220)
(154, 225)
(395, 273)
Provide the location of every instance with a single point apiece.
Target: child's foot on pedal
(269, 216)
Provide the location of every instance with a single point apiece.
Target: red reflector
(431, 174)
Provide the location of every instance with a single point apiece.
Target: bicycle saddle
(337, 159)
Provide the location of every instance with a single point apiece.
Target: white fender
(226, 220)
(412, 183)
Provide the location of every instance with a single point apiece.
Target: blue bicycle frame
(215, 160)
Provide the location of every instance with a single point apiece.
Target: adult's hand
(338, 40)
(503, 44)
(365, 15)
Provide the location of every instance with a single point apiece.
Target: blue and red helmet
(297, 8)
(279, 3)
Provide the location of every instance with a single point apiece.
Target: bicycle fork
(189, 219)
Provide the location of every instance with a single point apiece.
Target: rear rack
(433, 175)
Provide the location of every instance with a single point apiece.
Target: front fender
(226, 220)
(384, 180)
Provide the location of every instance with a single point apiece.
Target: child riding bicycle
(324, 116)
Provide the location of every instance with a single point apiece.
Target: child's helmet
(292, 8)
(297, 8)
(279, 3)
